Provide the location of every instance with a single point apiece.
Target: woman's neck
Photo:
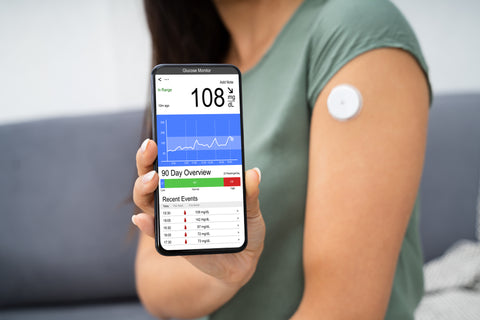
(253, 26)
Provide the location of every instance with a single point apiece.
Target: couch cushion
(64, 186)
(450, 179)
(132, 310)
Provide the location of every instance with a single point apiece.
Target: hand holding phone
(234, 269)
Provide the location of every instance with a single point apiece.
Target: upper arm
(363, 180)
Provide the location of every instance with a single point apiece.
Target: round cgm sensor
(344, 102)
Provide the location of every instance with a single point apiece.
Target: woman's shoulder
(344, 29)
(365, 18)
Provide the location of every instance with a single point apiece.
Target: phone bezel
(172, 70)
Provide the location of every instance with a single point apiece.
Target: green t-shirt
(279, 94)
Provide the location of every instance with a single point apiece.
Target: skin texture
(363, 178)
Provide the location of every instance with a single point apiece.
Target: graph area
(206, 139)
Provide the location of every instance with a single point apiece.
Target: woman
(338, 197)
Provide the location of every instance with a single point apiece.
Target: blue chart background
(180, 133)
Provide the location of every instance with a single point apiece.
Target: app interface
(199, 161)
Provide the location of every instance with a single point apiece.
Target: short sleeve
(345, 29)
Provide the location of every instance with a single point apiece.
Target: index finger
(146, 155)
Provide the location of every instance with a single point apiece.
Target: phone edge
(158, 245)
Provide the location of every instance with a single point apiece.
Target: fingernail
(149, 176)
(133, 220)
(259, 174)
(145, 144)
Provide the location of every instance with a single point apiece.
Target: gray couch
(66, 243)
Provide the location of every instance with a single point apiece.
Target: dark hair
(184, 31)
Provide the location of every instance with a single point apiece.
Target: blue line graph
(197, 145)
(212, 139)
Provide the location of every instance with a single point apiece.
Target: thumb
(252, 181)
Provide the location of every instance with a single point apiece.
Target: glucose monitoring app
(199, 161)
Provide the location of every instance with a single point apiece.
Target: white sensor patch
(344, 102)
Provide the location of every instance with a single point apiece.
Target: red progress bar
(231, 182)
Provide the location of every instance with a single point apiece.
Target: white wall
(66, 57)
(449, 33)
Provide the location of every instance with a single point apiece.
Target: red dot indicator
(185, 234)
(184, 212)
(185, 241)
(184, 219)
(185, 227)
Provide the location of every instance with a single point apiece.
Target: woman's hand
(232, 269)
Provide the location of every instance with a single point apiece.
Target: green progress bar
(193, 183)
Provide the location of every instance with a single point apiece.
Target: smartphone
(197, 125)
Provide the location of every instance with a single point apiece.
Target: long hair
(184, 31)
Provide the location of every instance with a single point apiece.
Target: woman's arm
(363, 179)
(192, 286)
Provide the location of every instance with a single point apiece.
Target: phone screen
(197, 125)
